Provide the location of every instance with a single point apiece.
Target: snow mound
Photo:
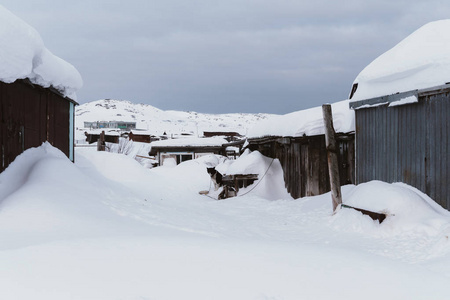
(54, 200)
(24, 55)
(421, 60)
(307, 122)
(114, 166)
(407, 209)
(212, 160)
(18, 172)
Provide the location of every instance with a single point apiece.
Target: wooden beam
(332, 154)
(380, 217)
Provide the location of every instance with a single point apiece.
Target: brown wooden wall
(141, 138)
(29, 116)
(305, 164)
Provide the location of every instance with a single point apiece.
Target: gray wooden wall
(408, 143)
(305, 164)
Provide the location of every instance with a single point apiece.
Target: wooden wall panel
(29, 116)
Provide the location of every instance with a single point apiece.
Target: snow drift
(106, 228)
(270, 183)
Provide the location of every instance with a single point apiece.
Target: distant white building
(110, 124)
(175, 151)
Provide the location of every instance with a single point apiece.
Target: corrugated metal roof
(387, 99)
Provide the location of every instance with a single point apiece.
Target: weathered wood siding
(29, 116)
(408, 143)
(305, 164)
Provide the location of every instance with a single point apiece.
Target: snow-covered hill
(159, 121)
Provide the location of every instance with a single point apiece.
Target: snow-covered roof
(191, 142)
(111, 132)
(307, 122)
(421, 60)
(24, 55)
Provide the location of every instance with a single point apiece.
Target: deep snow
(107, 228)
(419, 61)
(24, 55)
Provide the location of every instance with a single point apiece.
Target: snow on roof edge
(308, 122)
(190, 142)
(398, 99)
(419, 61)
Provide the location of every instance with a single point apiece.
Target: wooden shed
(142, 136)
(111, 136)
(406, 143)
(298, 141)
(304, 161)
(230, 136)
(36, 93)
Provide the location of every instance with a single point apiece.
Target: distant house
(175, 151)
(36, 99)
(143, 136)
(402, 106)
(230, 136)
(111, 136)
(298, 141)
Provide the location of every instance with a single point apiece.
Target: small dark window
(354, 88)
(183, 157)
(186, 157)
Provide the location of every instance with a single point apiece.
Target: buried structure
(37, 92)
(402, 107)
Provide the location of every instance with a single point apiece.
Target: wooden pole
(101, 142)
(332, 154)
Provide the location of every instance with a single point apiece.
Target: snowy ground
(107, 228)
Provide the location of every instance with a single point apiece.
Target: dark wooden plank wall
(29, 116)
(141, 138)
(407, 143)
(305, 164)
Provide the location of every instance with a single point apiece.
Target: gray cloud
(223, 56)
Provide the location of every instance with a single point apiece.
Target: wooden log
(147, 157)
(380, 217)
(332, 155)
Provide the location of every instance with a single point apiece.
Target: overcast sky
(223, 56)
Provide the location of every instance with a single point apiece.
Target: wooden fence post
(101, 142)
(332, 154)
